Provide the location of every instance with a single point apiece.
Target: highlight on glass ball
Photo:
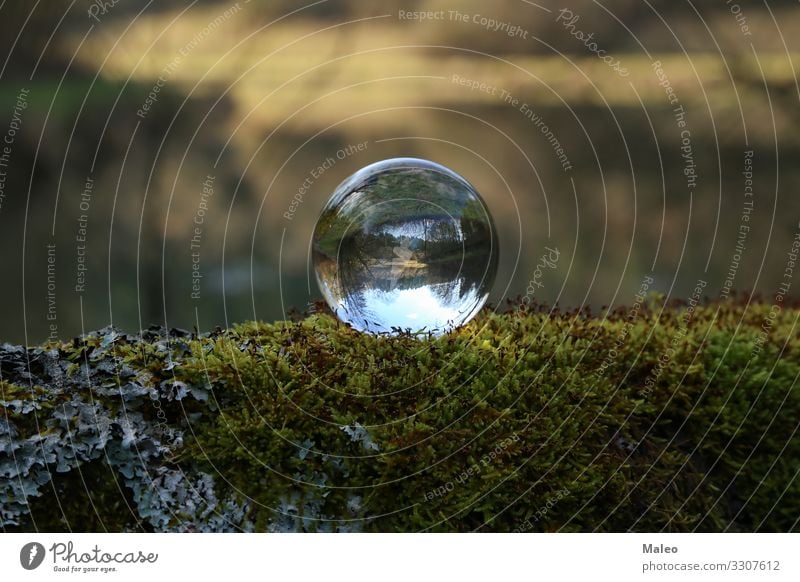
(405, 245)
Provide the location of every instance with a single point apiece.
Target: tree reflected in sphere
(405, 244)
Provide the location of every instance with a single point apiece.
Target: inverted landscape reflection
(405, 244)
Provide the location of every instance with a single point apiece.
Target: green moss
(526, 421)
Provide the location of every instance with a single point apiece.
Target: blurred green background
(249, 99)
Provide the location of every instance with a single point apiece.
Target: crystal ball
(405, 245)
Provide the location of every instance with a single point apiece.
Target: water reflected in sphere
(405, 244)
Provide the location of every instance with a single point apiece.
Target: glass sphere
(405, 245)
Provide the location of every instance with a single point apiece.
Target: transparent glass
(405, 245)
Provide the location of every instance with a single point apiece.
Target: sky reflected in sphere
(405, 244)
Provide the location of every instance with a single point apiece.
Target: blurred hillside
(149, 101)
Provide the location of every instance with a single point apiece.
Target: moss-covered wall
(652, 419)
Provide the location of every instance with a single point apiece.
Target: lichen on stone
(310, 426)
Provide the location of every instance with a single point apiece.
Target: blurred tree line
(34, 27)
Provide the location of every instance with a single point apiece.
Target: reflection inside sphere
(405, 244)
